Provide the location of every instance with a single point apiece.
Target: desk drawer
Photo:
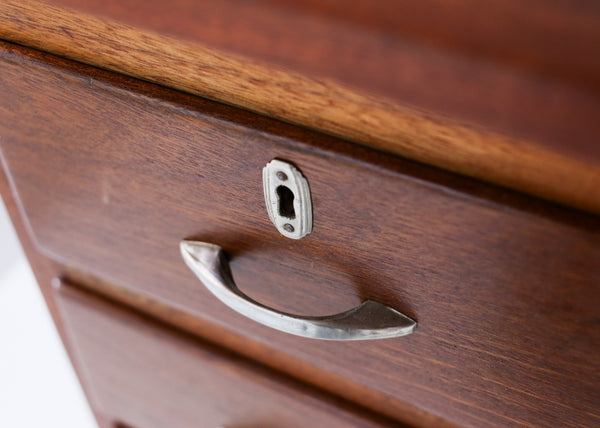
(112, 173)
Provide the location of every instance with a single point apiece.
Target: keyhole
(286, 202)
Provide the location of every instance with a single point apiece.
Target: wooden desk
(106, 173)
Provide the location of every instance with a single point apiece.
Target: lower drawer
(142, 374)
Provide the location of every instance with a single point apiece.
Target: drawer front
(141, 374)
(112, 173)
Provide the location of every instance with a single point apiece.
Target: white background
(38, 387)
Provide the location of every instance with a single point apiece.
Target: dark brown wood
(479, 117)
(551, 37)
(276, 360)
(112, 173)
(145, 375)
(47, 271)
(44, 270)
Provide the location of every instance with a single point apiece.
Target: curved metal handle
(370, 320)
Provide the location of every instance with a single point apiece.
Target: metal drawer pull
(370, 320)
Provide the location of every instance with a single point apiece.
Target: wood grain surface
(548, 37)
(146, 375)
(111, 173)
(43, 268)
(528, 131)
(46, 271)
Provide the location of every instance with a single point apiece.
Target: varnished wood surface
(549, 37)
(145, 375)
(112, 173)
(44, 269)
(47, 270)
(527, 131)
(275, 359)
